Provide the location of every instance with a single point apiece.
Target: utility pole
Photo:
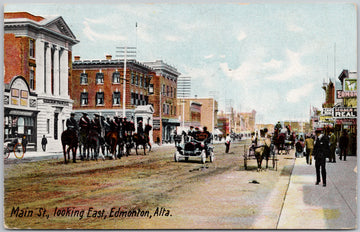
(213, 94)
(125, 52)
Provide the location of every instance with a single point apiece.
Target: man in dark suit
(321, 151)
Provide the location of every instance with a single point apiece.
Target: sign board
(326, 118)
(345, 94)
(350, 85)
(345, 112)
(351, 121)
(327, 112)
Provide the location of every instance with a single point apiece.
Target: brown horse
(141, 140)
(69, 138)
(112, 139)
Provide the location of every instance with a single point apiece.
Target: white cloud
(209, 56)
(94, 36)
(296, 95)
(293, 67)
(173, 38)
(294, 28)
(222, 56)
(242, 35)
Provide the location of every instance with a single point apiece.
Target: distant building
(208, 112)
(164, 100)
(37, 61)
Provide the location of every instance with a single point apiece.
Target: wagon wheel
(245, 161)
(19, 151)
(6, 152)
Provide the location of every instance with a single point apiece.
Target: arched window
(21, 125)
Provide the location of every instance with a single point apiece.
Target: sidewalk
(310, 206)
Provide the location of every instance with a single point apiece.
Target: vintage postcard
(180, 116)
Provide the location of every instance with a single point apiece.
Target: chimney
(108, 57)
(77, 58)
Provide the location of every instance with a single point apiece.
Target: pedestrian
(43, 143)
(309, 144)
(24, 142)
(333, 142)
(343, 144)
(227, 143)
(321, 151)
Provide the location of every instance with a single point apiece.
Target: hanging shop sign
(340, 94)
(350, 84)
(345, 112)
(327, 111)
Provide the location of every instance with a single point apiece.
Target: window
(116, 77)
(141, 99)
(83, 78)
(132, 78)
(99, 78)
(146, 84)
(132, 98)
(141, 81)
(171, 92)
(116, 98)
(137, 79)
(100, 98)
(83, 99)
(31, 48)
(48, 126)
(163, 90)
(32, 82)
(146, 100)
(136, 99)
(167, 91)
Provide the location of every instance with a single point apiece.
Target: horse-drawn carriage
(200, 146)
(265, 151)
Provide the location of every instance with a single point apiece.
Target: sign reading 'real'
(343, 112)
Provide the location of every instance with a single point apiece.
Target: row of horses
(111, 143)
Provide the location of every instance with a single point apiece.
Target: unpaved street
(163, 193)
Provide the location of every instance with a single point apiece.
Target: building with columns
(37, 58)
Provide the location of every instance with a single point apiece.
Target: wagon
(249, 154)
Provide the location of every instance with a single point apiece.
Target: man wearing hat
(321, 151)
(96, 124)
(71, 123)
(84, 123)
(140, 129)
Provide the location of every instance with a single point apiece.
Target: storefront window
(21, 125)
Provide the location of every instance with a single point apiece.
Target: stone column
(64, 67)
(48, 69)
(39, 73)
(56, 71)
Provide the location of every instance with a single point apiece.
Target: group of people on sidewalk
(324, 146)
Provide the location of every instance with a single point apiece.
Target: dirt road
(149, 192)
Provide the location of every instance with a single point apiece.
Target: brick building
(37, 64)
(163, 99)
(207, 115)
(97, 87)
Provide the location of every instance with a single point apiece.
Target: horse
(69, 138)
(262, 152)
(279, 140)
(94, 144)
(141, 140)
(112, 139)
(83, 144)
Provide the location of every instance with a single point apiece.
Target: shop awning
(171, 121)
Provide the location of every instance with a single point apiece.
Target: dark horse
(93, 140)
(262, 152)
(142, 140)
(69, 138)
(279, 140)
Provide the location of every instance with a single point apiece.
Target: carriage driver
(71, 123)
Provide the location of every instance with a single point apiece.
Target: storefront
(20, 112)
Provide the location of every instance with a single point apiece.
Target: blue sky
(269, 57)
